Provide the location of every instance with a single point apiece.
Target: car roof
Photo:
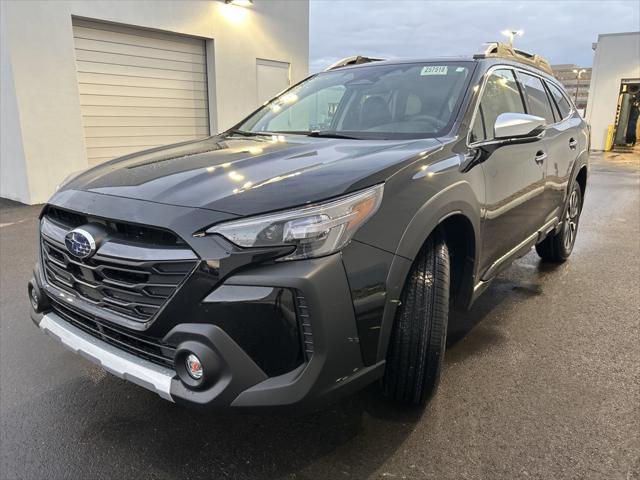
(487, 61)
(400, 61)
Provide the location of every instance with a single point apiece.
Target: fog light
(37, 299)
(34, 298)
(194, 366)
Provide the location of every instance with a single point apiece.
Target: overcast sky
(561, 31)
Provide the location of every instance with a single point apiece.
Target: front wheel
(558, 247)
(417, 345)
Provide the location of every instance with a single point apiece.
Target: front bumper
(334, 369)
(121, 364)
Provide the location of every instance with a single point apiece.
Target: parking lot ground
(541, 380)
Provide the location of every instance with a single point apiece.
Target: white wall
(13, 172)
(617, 56)
(38, 44)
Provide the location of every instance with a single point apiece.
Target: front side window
(376, 101)
(537, 98)
(561, 101)
(501, 95)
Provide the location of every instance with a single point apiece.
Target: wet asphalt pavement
(542, 380)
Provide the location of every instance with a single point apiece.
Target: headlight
(315, 230)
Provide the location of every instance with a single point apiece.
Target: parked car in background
(319, 245)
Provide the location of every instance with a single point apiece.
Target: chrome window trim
(515, 69)
(566, 97)
(547, 93)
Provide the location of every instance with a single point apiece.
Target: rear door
(565, 141)
(539, 103)
(513, 177)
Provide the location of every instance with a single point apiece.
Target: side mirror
(517, 125)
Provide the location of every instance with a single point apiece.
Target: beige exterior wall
(617, 57)
(41, 132)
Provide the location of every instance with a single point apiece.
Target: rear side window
(561, 101)
(501, 95)
(537, 98)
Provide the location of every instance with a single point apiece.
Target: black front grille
(129, 232)
(148, 348)
(133, 288)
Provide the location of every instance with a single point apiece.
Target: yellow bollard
(609, 143)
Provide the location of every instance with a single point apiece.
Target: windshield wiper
(251, 134)
(330, 134)
(315, 133)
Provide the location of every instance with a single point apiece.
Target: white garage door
(138, 88)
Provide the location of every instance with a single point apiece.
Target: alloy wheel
(571, 220)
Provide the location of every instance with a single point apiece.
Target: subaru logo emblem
(80, 243)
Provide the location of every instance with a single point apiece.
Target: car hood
(249, 175)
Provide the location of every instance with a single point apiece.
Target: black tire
(416, 348)
(557, 247)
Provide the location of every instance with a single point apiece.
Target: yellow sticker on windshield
(434, 70)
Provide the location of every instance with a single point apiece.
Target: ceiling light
(240, 3)
(511, 34)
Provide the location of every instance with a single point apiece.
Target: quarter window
(501, 95)
(561, 100)
(537, 98)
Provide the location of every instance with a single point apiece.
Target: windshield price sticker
(434, 70)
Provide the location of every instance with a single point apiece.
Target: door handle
(540, 157)
(573, 143)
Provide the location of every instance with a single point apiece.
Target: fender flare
(582, 161)
(456, 199)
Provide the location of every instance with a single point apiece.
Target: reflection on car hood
(249, 175)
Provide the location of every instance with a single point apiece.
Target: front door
(514, 174)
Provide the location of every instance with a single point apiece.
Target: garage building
(615, 83)
(83, 82)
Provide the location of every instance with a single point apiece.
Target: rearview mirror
(517, 125)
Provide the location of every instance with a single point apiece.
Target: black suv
(318, 245)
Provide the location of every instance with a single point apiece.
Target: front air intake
(302, 312)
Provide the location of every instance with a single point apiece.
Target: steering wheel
(435, 121)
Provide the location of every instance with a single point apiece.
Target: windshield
(376, 101)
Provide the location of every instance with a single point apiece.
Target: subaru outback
(318, 245)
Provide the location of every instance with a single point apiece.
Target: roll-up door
(138, 88)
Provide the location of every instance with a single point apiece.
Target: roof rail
(503, 50)
(352, 60)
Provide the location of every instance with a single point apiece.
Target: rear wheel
(417, 345)
(558, 247)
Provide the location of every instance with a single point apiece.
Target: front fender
(456, 199)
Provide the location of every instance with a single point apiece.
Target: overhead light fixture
(239, 3)
(511, 34)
